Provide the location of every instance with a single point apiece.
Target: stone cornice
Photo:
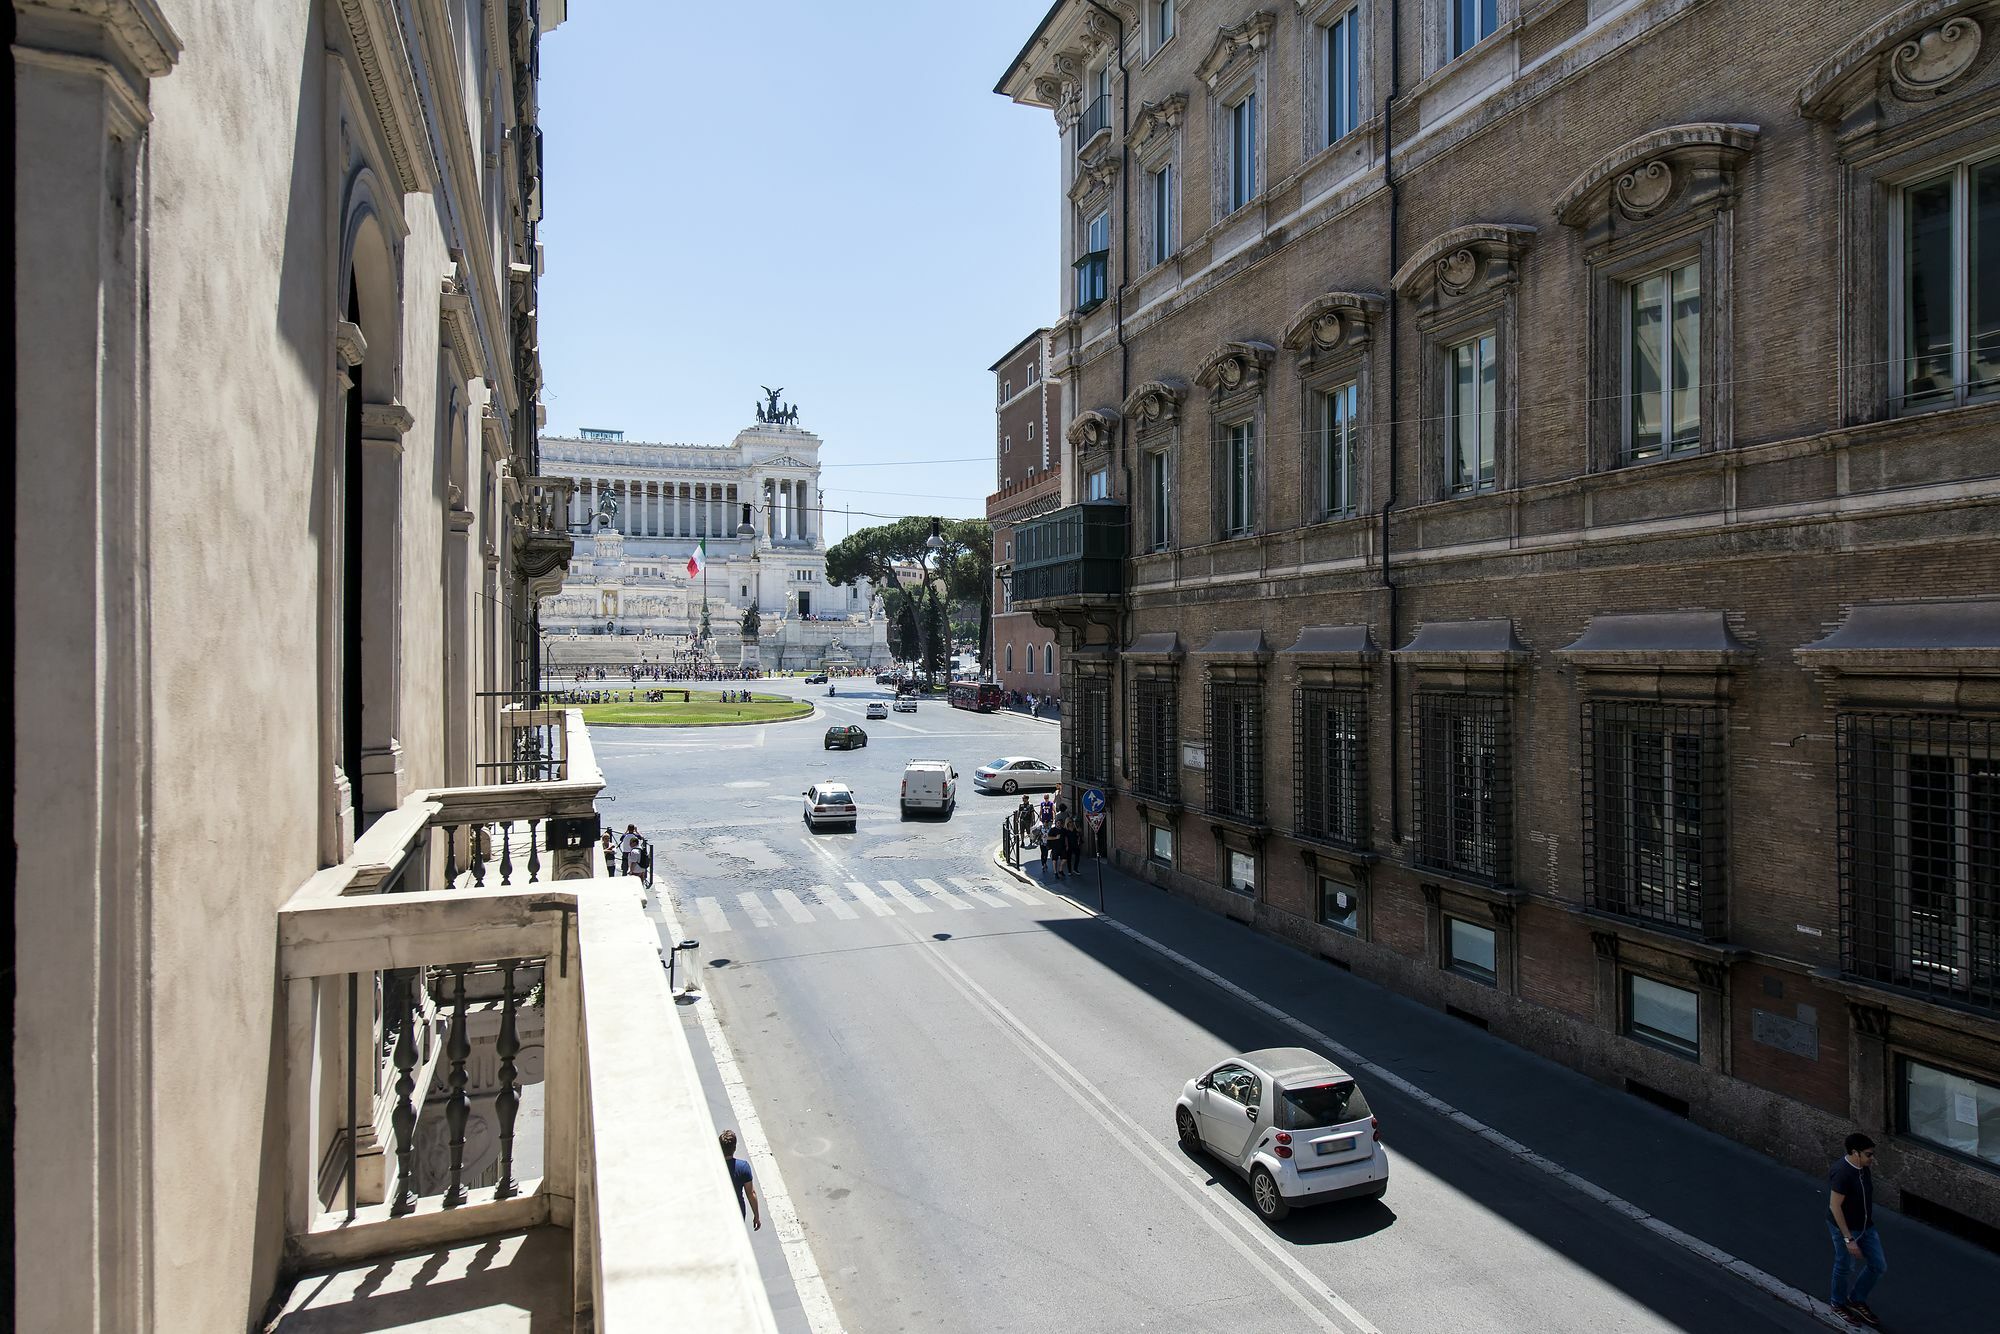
(457, 323)
(141, 33)
(1642, 174)
(392, 87)
(1922, 49)
(1232, 45)
(1463, 258)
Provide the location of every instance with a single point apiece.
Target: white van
(929, 785)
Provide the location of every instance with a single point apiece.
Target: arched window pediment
(1464, 259)
(1155, 402)
(1235, 366)
(1093, 429)
(1234, 48)
(1331, 320)
(1646, 175)
(1922, 50)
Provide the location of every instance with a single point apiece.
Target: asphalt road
(968, 1083)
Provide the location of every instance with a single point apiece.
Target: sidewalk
(1720, 1194)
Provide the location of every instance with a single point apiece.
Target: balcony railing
(1096, 120)
(474, 1056)
(1074, 555)
(541, 534)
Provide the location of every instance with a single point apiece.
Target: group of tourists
(1052, 828)
(1035, 706)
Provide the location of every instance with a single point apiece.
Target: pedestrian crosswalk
(854, 900)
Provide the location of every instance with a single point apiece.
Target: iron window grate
(1654, 842)
(1235, 747)
(1462, 775)
(1919, 821)
(1155, 725)
(1330, 764)
(1092, 741)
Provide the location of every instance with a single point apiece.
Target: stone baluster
(508, 1100)
(506, 852)
(534, 852)
(456, 1105)
(450, 855)
(403, 1120)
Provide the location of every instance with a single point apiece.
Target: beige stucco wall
(177, 480)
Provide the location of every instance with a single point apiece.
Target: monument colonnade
(695, 509)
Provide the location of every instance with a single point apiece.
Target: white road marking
(832, 902)
(1353, 1061)
(1306, 1290)
(813, 843)
(754, 908)
(868, 899)
(711, 915)
(792, 905)
(933, 887)
(814, 1301)
(983, 894)
(905, 897)
(1011, 891)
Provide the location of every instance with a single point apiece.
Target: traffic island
(694, 708)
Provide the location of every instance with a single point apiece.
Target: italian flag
(698, 561)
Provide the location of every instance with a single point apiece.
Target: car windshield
(1318, 1105)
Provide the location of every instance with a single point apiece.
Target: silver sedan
(1016, 773)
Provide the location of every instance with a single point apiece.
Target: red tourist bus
(983, 696)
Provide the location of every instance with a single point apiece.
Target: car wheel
(1190, 1133)
(906, 810)
(829, 745)
(1264, 1194)
(1010, 787)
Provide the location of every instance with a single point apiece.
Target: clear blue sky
(820, 194)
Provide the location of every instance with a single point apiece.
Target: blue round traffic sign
(1093, 801)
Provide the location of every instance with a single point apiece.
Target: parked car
(878, 710)
(845, 738)
(1292, 1123)
(817, 679)
(929, 785)
(885, 678)
(829, 802)
(905, 704)
(1016, 773)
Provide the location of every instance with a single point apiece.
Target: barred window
(1464, 785)
(1236, 750)
(1330, 764)
(1653, 813)
(1920, 853)
(1155, 725)
(1092, 739)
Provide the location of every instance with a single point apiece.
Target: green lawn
(704, 709)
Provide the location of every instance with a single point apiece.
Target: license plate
(1341, 1145)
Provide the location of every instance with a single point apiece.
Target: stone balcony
(1071, 558)
(542, 542)
(493, 1116)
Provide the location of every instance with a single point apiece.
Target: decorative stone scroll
(1234, 47)
(1481, 255)
(1922, 50)
(1155, 403)
(1642, 176)
(1153, 119)
(1332, 321)
(1235, 367)
(1094, 429)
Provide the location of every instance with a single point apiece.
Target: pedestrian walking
(1024, 819)
(1858, 1263)
(739, 1177)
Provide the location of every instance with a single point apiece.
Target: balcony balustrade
(1096, 120)
(481, 1051)
(1074, 556)
(542, 546)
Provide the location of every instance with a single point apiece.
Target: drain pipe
(1391, 628)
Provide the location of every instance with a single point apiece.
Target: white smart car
(1291, 1122)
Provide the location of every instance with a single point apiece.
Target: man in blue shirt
(739, 1177)
(1850, 1217)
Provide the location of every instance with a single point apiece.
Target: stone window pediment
(1332, 322)
(1235, 367)
(1922, 50)
(1154, 124)
(1235, 49)
(1679, 168)
(1464, 261)
(1156, 403)
(1094, 179)
(1919, 654)
(1094, 429)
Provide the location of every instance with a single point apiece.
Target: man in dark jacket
(1850, 1220)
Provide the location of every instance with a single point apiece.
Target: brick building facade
(1028, 475)
(1549, 562)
